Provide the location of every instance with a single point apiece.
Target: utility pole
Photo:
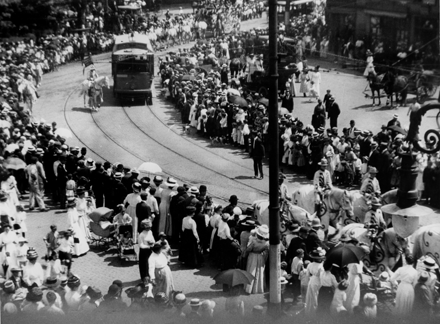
(274, 209)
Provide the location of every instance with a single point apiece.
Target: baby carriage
(125, 243)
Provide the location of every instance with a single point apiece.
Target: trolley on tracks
(133, 67)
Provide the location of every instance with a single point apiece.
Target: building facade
(392, 26)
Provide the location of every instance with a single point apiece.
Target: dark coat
(295, 244)
(258, 150)
(333, 110)
(143, 211)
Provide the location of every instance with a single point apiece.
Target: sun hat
(113, 290)
(136, 187)
(118, 175)
(318, 254)
(134, 171)
(323, 162)
(207, 305)
(171, 182)
(263, 231)
(429, 263)
(157, 179)
(51, 282)
(395, 116)
(424, 276)
(180, 299)
(73, 281)
(32, 254)
(146, 223)
(384, 276)
(9, 287)
(294, 227)
(94, 293)
(16, 269)
(193, 190)
(34, 295)
(316, 223)
(372, 170)
(195, 302)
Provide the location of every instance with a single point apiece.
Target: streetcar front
(133, 68)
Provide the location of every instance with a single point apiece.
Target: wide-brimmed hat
(51, 282)
(135, 292)
(34, 295)
(113, 290)
(9, 287)
(248, 224)
(136, 186)
(147, 223)
(372, 170)
(16, 269)
(193, 190)
(294, 227)
(384, 276)
(73, 281)
(94, 293)
(318, 254)
(80, 190)
(195, 302)
(424, 276)
(32, 254)
(134, 171)
(171, 182)
(323, 162)
(429, 263)
(118, 175)
(207, 305)
(316, 223)
(263, 231)
(180, 299)
(157, 179)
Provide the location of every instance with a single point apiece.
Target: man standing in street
(333, 112)
(257, 154)
(143, 211)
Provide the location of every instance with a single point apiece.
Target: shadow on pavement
(244, 177)
(206, 294)
(81, 109)
(363, 106)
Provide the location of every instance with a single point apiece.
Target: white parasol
(64, 132)
(150, 167)
(12, 147)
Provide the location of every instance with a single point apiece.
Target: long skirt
(312, 295)
(404, 299)
(131, 210)
(189, 249)
(325, 298)
(84, 222)
(353, 292)
(164, 281)
(144, 254)
(81, 246)
(255, 266)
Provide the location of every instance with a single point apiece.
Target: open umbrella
(344, 254)
(397, 129)
(236, 100)
(234, 92)
(14, 163)
(150, 167)
(234, 277)
(64, 132)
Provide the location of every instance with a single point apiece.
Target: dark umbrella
(236, 100)
(397, 129)
(345, 254)
(14, 163)
(234, 277)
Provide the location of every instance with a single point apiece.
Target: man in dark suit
(333, 112)
(61, 181)
(177, 211)
(143, 211)
(374, 157)
(296, 243)
(257, 154)
(326, 100)
(97, 180)
(17, 278)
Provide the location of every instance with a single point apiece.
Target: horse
(28, 92)
(289, 213)
(375, 83)
(95, 87)
(397, 85)
(335, 200)
(202, 26)
(219, 28)
(235, 67)
(385, 250)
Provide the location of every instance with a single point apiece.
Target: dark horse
(390, 83)
(235, 67)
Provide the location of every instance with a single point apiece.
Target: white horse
(202, 26)
(172, 33)
(93, 89)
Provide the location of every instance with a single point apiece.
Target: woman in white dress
(84, 206)
(8, 244)
(370, 67)
(315, 80)
(304, 86)
(81, 245)
(314, 270)
(164, 208)
(131, 202)
(354, 288)
(407, 277)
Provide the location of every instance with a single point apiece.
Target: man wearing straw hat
(322, 182)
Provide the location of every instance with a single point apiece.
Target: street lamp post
(406, 212)
(274, 209)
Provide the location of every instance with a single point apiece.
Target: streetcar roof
(142, 41)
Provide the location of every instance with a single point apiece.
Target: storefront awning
(385, 13)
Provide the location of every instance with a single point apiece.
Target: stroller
(125, 243)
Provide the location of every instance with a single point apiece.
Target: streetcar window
(131, 45)
(128, 67)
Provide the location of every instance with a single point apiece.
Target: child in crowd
(21, 252)
(166, 248)
(51, 241)
(339, 297)
(295, 269)
(70, 186)
(20, 219)
(370, 309)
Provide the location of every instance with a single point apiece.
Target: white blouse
(158, 261)
(146, 240)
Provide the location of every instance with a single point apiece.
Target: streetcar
(133, 67)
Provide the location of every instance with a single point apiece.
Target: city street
(136, 133)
